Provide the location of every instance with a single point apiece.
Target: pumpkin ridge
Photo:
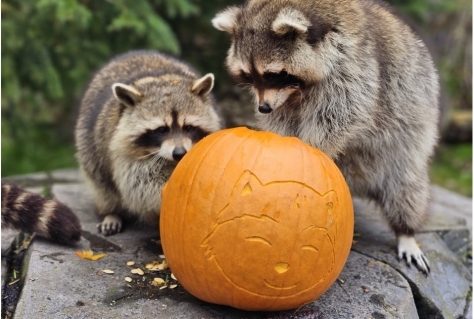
(191, 157)
(222, 176)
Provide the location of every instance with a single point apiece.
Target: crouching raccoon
(138, 117)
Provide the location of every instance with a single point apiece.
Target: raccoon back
(29, 212)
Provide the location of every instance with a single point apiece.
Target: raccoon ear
(126, 94)
(227, 19)
(203, 85)
(290, 20)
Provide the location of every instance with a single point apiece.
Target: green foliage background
(51, 48)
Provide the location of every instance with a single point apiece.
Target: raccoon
(353, 80)
(33, 213)
(138, 117)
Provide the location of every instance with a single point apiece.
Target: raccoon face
(272, 88)
(278, 51)
(162, 119)
(172, 139)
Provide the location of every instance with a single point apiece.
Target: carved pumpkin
(256, 221)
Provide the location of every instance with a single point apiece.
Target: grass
(452, 168)
(38, 151)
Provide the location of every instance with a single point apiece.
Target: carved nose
(178, 153)
(265, 108)
(282, 267)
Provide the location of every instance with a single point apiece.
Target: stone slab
(445, 293)
(59, 284)
(367, 288)
(8, 235)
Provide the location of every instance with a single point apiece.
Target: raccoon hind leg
(405, 205)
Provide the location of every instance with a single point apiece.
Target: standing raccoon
(32, 213)
(138, 117)
(351, 79)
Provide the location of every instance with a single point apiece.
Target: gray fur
(119, 148)
(368, 95)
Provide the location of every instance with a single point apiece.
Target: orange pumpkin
(256, 221)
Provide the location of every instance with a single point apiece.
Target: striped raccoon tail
(29, 212)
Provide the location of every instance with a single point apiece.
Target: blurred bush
(50, 49)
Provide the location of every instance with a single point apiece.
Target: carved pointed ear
(290, 20)
(126, 94)
(203, 85)
(246, 184)
(227, 19)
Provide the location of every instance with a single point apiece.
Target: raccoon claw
(111, 225)
(412, 254)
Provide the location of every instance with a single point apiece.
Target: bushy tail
(29, 212)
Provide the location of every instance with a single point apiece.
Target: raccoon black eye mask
(271, 80)
(281, 80)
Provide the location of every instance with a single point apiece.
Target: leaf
(89, 255)
(161, 35)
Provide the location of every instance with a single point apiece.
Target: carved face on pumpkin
(279, 236)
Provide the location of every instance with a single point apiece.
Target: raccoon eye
(188, 128)
(162, 129)
(281, 79)
(152, 138)
(245, 77)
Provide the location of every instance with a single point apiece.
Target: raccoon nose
(265, 108)
(178, 153)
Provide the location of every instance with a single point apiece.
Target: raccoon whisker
(301, 96)
(148, 155)
(157, 160)
(145, 156)
(245, 85)
(161, 161)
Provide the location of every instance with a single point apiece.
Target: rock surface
(373, 284)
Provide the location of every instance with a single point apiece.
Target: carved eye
(162, 129)
(188, 128)
(309, 247)
(259, 240)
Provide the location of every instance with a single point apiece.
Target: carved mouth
(279, 288)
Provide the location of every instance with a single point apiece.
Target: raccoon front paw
(412, 254)
(111, 225)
